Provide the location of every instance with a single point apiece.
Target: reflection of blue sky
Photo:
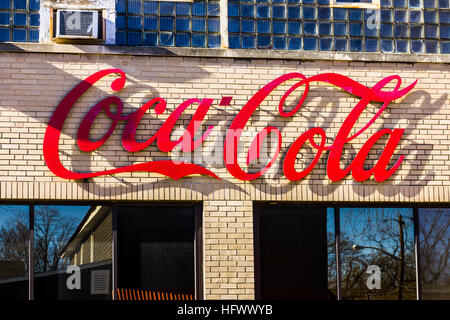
(377, 227)
(75, 212)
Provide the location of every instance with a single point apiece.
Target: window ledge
(222, 53)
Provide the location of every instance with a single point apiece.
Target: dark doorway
(291, 252)
(159, 249)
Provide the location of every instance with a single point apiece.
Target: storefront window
(158, 253)
(435, 253)
(377, 252)
(14, 264)
(72, 252)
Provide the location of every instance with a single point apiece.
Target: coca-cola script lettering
(187, 143)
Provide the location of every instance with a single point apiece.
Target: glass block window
(168, 23)
(19, 20)
(398, 26)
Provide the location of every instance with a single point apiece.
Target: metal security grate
(168, 24)
(19, 20)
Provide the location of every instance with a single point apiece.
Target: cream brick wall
(32, 85)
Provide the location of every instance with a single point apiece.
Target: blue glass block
(134, 6)
(198, 40)
(213, 25)
(151, 7)
(415, 16)
(325, 44)
(213, 41)
(294, 27)
(279, 43)
(401, 30)
(371, 30)
(400, 15)
(4, 18)
(445, 47)
(414, 3)
(6, 4)
(248, 26)
(385, 3)
(355, 45)
(19, 35)
(415, 31)
(292, 1)
(387, 46)
(262, 11)
(35, 5)
(199, 25)
(444, 4)
(325, 28)
(429, 16)
(248, 42)
(151, 39)
(134, 38)
(339, 14)
(386, 15)
(233, 25)
(309, 1)
(263, 41)
(309, 27)
(247, 10)
(20, 4)
(263, 26)
(233, 10)
(199, 9)
(371, 45)
(134, 22)
(429, 4)
(234, 41)
(183, 24)
(340, 44)
(309, 43)
(33, 35)
(309, 13)
(120, 22)
(401, 46)
(151, 23)
(444, 16)
(183, 39)
(279, 27)
(121, 37)
(431, 32)
(295, 43)
(386, 30)
(399, 3)
(278, 12)
(324, 13)
(293, 12)
(166, 39)
(340, 29)
(167, 8)
(355, 29)
(431, 46)
(34, 19)
(355, 14)
(323, 1)
(416, 46)
(166, 23)
(213, 10)
(183, 8)
(444, 31)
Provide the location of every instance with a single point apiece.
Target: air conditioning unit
(77, 24)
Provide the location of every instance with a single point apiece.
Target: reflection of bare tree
(384, 238)
(52, 231)
(435, 248)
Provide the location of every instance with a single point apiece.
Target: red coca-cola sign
(187, 143)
